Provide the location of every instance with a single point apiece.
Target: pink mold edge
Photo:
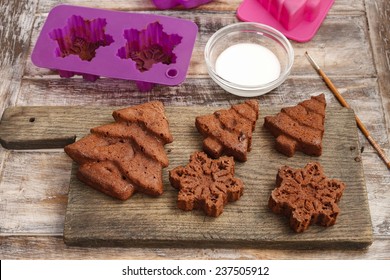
(298, 20)
(188, 4)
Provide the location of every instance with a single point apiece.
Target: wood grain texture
(356, 59)
(95, 219)
(379, 21)
(15, 31)
(33, 200)
(49, 247)
(34, 192)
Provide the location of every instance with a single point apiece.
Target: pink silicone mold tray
(188, 4)
(298, 20)
(148, 49)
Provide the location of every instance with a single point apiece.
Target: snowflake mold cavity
(81, 37)
(149, 46)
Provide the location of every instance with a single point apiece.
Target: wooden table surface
(352, 47)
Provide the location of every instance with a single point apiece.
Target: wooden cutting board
(93, 219)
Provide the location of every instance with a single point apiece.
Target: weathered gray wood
(15, 31)
(23, 217)
(49, 247)
(379, 22)
(378, 181)
(34, 193)
(93, 219)
(45, 127)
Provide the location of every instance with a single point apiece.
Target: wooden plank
(16, 24)
(15, 31)
(378, 182)
(34, 192)
(39, 247)
(379, 23)
(49, 247)
(213, 232)
(42, 127)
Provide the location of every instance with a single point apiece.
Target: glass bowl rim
(258, 28)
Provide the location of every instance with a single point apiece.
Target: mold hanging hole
(81, 37)
(31, 120)
(172, 73)
(149, 46)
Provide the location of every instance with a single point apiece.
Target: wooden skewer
(341, 99)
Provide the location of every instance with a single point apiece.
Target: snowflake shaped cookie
(206, 184)
(306, 196)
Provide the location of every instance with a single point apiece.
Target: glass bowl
(255, 34)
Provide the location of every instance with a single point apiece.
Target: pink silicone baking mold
(146, 48)
(298, 20)
(188, 4)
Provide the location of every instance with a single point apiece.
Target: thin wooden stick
(341, 99)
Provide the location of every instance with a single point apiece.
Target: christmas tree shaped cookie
(229, 131)
(126, 156)
(299, 128)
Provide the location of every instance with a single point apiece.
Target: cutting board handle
(48, 127)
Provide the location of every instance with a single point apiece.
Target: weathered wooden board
(93, 219)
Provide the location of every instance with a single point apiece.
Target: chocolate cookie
(126, 156)
(206, 184)
(229, 131)
(299, 128)
(306, 196)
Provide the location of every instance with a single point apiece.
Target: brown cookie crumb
(206, 184)
(306, 196)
